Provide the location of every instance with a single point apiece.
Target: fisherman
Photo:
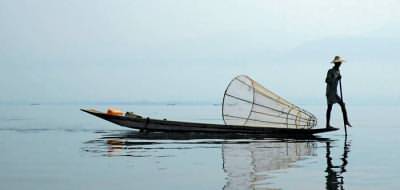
(332, 79)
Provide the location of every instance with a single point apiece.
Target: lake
(56, 146)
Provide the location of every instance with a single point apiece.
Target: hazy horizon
(188, 51)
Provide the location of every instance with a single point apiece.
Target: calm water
(59, 147)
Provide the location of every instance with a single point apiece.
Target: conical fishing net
(247, 103)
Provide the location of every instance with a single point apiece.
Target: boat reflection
(248, 161)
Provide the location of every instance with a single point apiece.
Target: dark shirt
(332, 80)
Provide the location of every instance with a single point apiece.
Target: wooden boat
(147, 124)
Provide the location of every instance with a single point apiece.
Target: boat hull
(147, 124)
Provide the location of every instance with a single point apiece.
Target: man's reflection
(334, 177)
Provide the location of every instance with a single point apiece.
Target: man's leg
(328, 115)
(344, 111)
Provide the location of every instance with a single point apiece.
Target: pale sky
(164, 50)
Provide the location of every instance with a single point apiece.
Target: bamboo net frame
(248, 103)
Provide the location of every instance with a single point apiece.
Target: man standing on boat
(332, 80)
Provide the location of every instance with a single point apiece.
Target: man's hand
(339, 77)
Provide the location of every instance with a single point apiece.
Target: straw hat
(337, 59)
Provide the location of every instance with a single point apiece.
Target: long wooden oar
(341, 96)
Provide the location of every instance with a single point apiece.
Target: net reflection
(247, 165)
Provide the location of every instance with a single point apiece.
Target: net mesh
(247, 103)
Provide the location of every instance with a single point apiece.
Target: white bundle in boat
(247, 103)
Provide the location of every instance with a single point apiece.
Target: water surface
(59, 147)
